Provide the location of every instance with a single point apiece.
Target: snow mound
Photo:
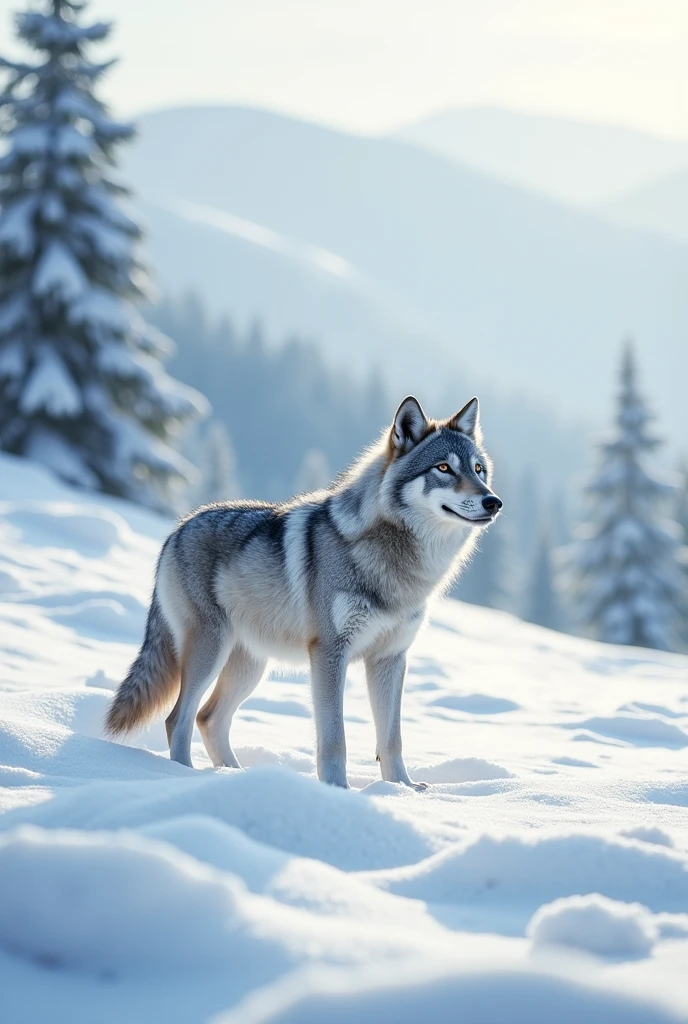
(221, 846)
(277, 707)
(672, 793)
(124, 905)
(270, 804)
(463, 769)
(101, 618)
(479, 997)
(475, 704)
(596, 925)
(573, 762)
(640, 707)
(44, 748)
(523, 871)
(250, 757)
(295, 881)
(81, 711)
(640, 730)
(100, 680)
(186, 890)
(648, 834)
(92, 531)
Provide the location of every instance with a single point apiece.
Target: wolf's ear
(410, 425)
(467, 420)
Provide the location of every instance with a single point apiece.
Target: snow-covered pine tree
(628, 556)
(82, 389)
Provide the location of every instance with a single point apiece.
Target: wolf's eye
(479, 467)
(443, 467)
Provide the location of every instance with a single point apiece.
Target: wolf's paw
(333, 773)
(338, 785)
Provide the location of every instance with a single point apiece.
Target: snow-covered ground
(542, 877)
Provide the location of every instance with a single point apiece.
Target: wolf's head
(438, 472)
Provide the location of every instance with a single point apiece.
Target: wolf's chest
(363, 627)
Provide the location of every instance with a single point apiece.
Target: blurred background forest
(310, 272)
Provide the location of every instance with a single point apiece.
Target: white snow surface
(543, 876)
(595, 924)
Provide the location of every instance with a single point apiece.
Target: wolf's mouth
(483, 519)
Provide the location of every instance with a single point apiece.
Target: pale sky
(373, 65)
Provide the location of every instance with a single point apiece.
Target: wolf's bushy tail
(151, 683)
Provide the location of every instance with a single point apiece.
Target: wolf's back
(151, 683)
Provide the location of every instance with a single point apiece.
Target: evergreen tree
(627, 562)
(542, 600)
(81, 385)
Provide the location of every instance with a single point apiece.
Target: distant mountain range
(575, 162)
(660, 206)
(392, 255)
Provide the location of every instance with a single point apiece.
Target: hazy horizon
(375, 67)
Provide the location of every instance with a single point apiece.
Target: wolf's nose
(492, 504)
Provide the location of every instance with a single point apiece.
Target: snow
(480, 996)
(68, 874)
(52, 208)
(596, 925)
(129, 364)
(52, 451)
(74, 103)
(30, 139)
(629, 556)
(59, 272)
(12, 360)
(50, 387)
(46, 30)
(73, 143)
(12, 312)
(82, 275)
(101, 310)
(16, 227)
(543, 876)
(111, 242)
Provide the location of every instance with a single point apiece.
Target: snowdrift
(544, 874)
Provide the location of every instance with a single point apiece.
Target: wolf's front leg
(328, 676)
(385, 677)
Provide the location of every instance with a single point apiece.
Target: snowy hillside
(660, 206)
(521, 292)
(543, 876)
(577, 162)
(249, 271)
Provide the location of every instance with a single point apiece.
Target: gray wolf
(334, 576)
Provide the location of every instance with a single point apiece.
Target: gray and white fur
(330, 577)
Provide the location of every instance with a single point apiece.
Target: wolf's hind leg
(239, 677)
(205, 650)
(385, 677)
